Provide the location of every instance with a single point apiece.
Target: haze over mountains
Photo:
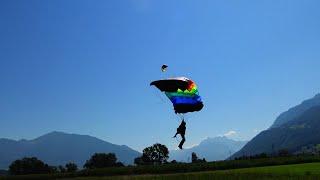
(212, 149)
(294, 129)
(57, 148)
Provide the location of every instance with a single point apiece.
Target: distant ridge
(293, 130)
(212, 149)
(296, 111)
(58, 148)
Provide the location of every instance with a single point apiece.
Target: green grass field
(296, 171)
(280, 168)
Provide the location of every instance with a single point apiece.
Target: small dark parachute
(164, 68)
(182, 92)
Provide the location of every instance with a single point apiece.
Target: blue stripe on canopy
(185, 100)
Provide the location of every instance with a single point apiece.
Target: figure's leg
(176, 134)
(182, 141)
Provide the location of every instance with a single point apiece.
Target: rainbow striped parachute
(182, 92)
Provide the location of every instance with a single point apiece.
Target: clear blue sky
(85, 66)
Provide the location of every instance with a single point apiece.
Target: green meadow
(304, 167)
(295, 171)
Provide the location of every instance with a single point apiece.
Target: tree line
(150, 160)
(154, 155)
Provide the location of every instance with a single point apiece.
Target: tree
(71, 167)
(173, 162)
(138, 161)
(62, 169)
(194, 157)
(29, 166)
(119, 164)
(101, 160)
(155, 154)
(53, 169)
(317, 147)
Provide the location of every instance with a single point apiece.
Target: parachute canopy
(182, 92)
(164, 68)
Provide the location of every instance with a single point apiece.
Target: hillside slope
(58, 148)
(293, 135)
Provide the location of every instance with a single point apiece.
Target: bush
(71, 167)
(102, 160)
(29, 166)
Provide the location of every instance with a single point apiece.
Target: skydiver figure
(182, 131)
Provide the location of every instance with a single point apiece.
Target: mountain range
(296, 128)
(58, 148)
(296, 111)
(212, 149)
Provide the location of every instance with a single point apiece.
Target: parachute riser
(182, 116)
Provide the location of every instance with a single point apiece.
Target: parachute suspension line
(180, 116)
(178, 120)
(186, 120)
(158, 94)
